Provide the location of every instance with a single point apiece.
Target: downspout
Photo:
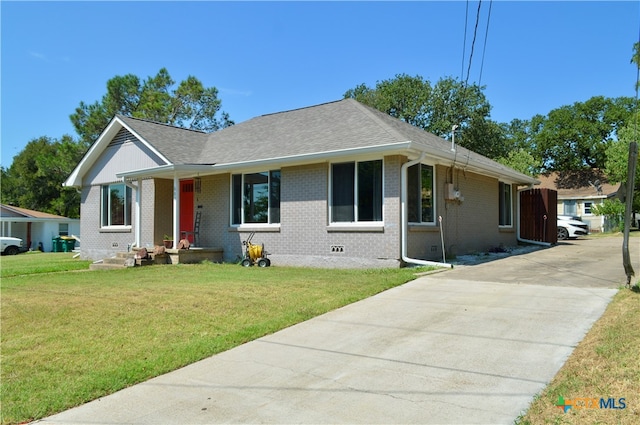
(518, 237)
(405, 218)
(176, 210)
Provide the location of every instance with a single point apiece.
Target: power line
(464, 40)
(484, 48)
(473, 42)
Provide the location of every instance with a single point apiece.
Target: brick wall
(305, 236)
(95, 243)
(470, 225)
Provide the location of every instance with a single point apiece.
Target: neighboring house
(35, 227)
(337, 184)
(578, 192)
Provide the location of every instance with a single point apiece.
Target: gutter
(169, 170)
(405, 218)
(518, 237)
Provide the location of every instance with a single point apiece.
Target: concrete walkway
(472, 345)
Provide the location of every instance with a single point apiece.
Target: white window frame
(61, 231)
(269, 223)
(433, 195)
(356, 223)
(127, 207)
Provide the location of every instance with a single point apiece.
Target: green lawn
(68, 338)
(39, 262)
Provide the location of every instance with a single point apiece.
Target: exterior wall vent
(339, 249)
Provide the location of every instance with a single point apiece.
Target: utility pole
(630, 186)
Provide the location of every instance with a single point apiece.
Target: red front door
(186, 207)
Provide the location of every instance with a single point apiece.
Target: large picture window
(356, 192)
(420, 184)
(504, 199)
(255, 198)
(116, 205)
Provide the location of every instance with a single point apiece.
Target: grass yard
(606, 364)
(68, 338)
(40, 262)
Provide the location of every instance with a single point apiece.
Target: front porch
(192, 255)
(170, 256)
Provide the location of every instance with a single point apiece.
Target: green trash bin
(56, 244)
(68, 244)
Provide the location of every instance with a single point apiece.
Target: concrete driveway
(471, 345)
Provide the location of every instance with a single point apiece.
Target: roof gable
(172, 145)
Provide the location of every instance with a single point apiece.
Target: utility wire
(464, 40)
(473, 42)
(484, 48)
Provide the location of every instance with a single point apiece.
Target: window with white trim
(587, 208)
(420, 190)
(116, 205)
(63, 229)
(505, 204)
(255, 198)
(356, 192)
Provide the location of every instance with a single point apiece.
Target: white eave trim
(401, 148)
(268, 163)
(449, 158)
(96, 149)
(311, 158)
(166, 171)
(38, 220)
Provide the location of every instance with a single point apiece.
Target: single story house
(578, 191)
(337, 184)
(36, 229)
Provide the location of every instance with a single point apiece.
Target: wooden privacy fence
(538, 215)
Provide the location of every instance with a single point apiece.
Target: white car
(571, 227)
(10, 246)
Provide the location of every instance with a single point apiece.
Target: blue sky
(267, 57)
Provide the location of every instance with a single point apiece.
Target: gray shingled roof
(437, 144)
(329, 127)
(178, 145)
(334, 126)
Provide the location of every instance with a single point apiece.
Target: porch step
(127, 259)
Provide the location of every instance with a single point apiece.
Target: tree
(613, 211)
(189, 105)
(437, 109)
(576, 136)
(617, 155)
(34, 179)
(521, 160)
(636, 59)
(617, 162)
(403, 97)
